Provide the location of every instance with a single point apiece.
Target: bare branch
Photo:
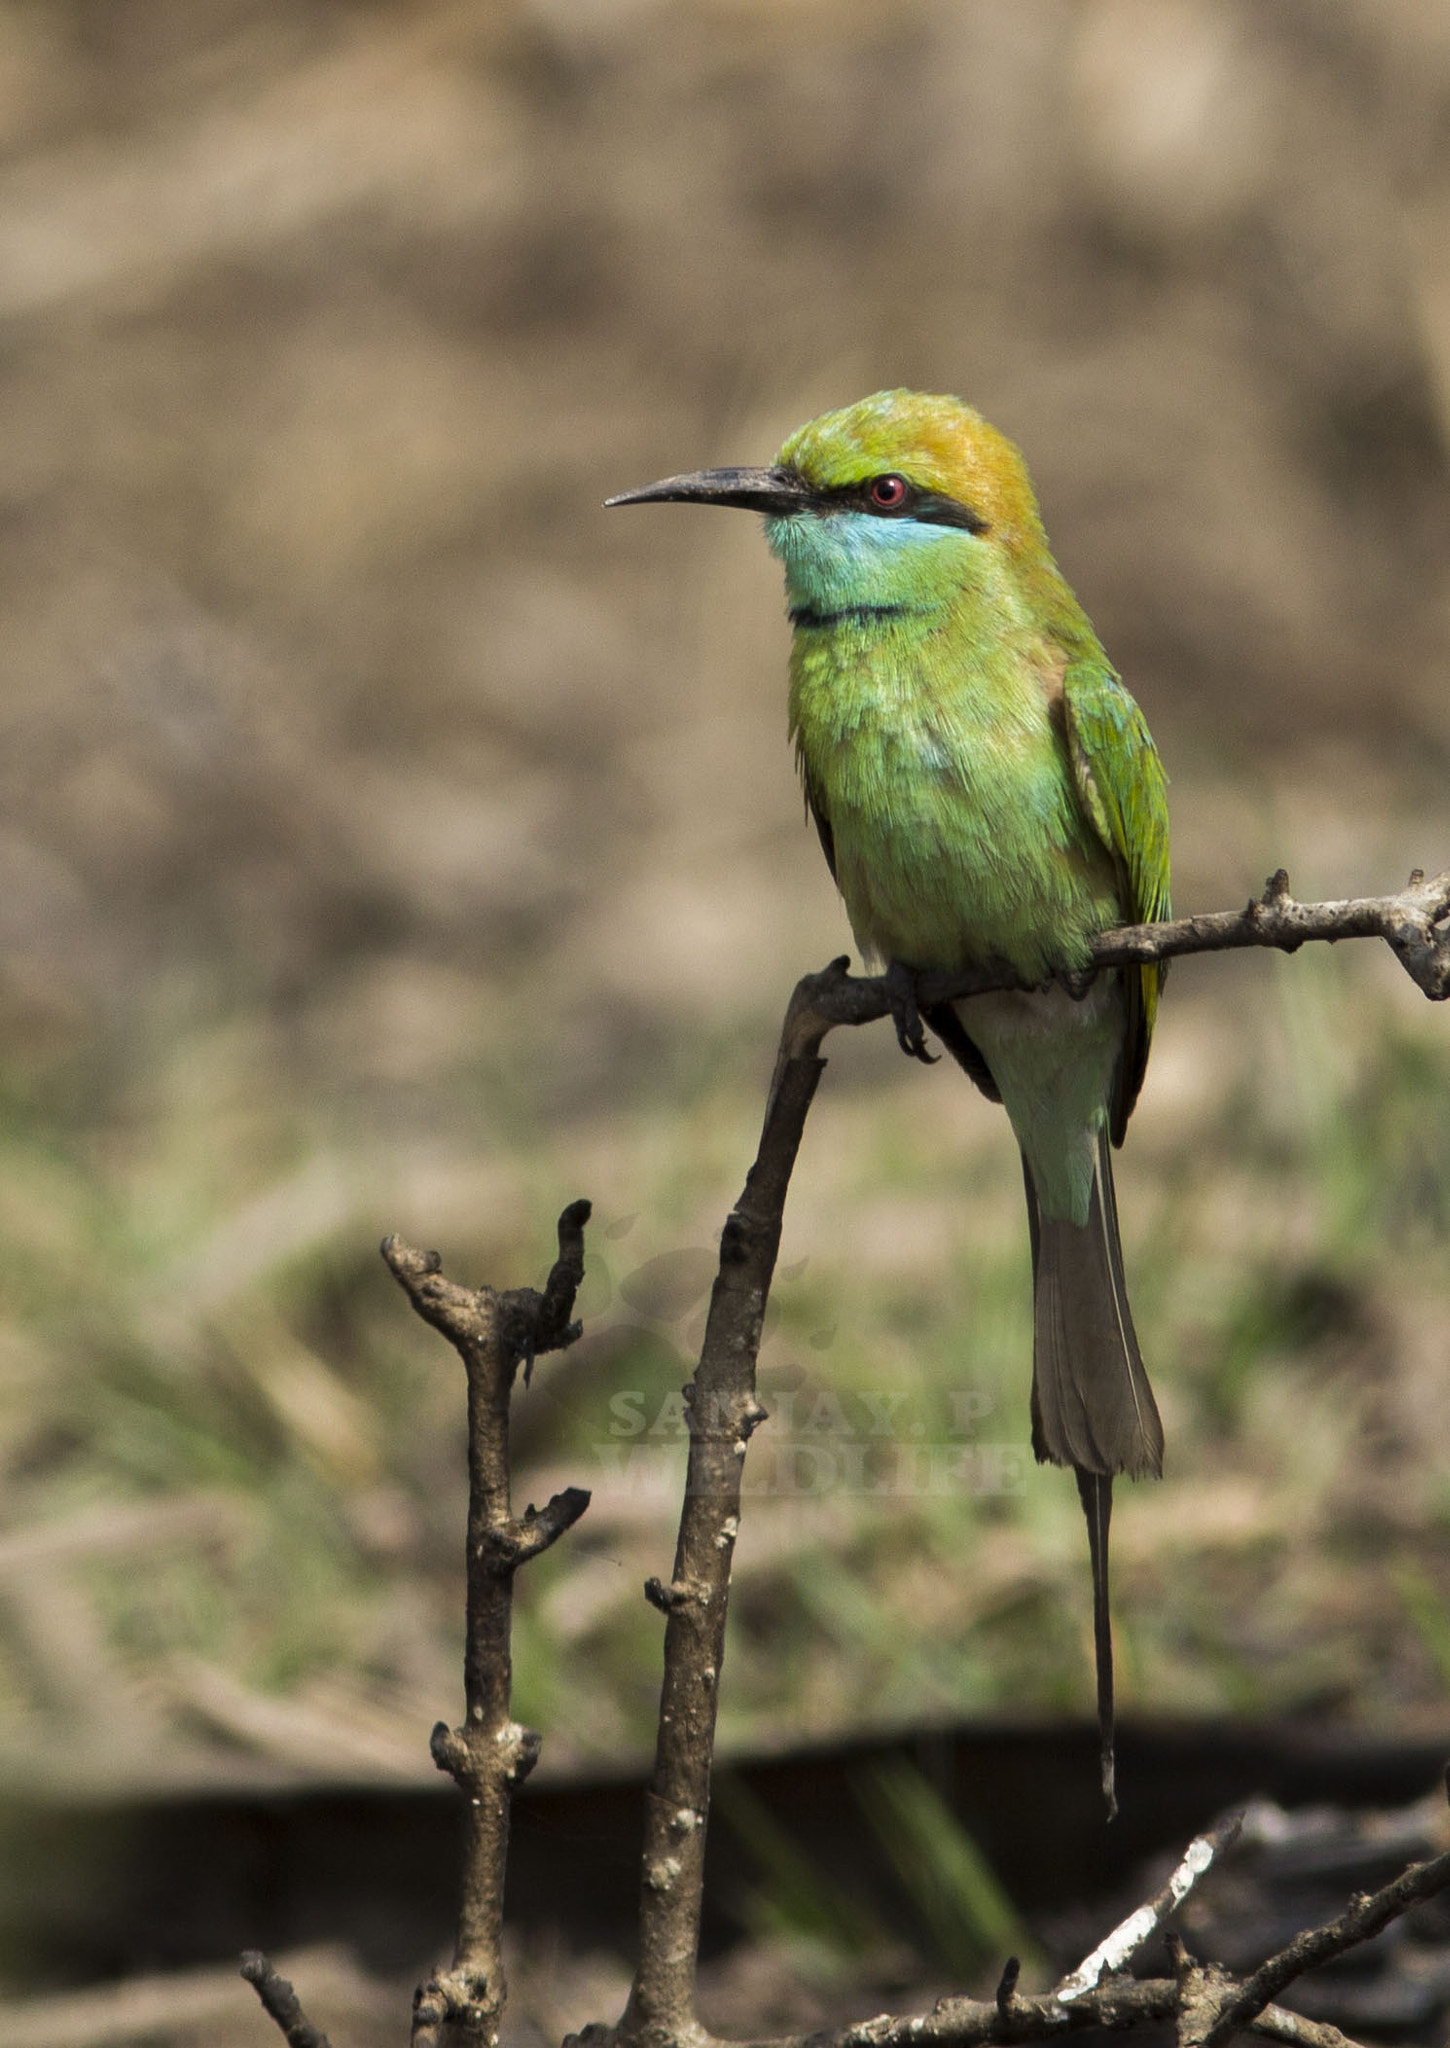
(1203, 1988)
(541, 1526)
(557, 1306)
(971, 2023)
(1276, 2023)
(430, 2012)
(493, 1333)
(1007, 1985)
(1124, 1942)
(1412, 923)
(723, 1411)
(1367, 1916)
(968, 2022)
(1415, 923)
(280, 2003)
(1204, 2002)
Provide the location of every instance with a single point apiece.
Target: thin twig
(972, 2023)
(491, 1754)
(1415, 923)
(280, 2003)
(1007, 1985)
(1118, 1950)
(968, 2022)
(1412, 923)
(1277, 2023)
(431, 2004)
(1367, 1916)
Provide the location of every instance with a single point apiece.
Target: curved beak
(758, 490)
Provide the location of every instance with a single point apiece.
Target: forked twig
(491, 1754)
(494, 1333)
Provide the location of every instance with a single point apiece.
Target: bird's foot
(905, 1014)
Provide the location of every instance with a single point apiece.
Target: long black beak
(758, 490)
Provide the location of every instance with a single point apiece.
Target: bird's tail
(1092, 1406)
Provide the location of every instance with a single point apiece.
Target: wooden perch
(495, 1333)
(1415, 924)
(723, 1410)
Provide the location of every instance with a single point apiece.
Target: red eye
(889, 492)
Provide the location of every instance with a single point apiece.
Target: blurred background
(394, 841)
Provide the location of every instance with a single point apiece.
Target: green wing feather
(816, 807)
(1125, 793)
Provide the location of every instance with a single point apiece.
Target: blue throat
(852, 566)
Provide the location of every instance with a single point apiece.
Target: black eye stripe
(928, 508)
(933, 508)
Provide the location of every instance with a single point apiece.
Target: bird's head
(903, 499)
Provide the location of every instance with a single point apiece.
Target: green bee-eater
(985, 790)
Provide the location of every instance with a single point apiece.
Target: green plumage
(985, 790)
(986, 787)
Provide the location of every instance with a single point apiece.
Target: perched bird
(985, 790)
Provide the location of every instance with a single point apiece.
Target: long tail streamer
(1096, 1492)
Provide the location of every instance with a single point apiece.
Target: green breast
(941, 772)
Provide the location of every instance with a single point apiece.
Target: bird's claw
(905, 1014)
